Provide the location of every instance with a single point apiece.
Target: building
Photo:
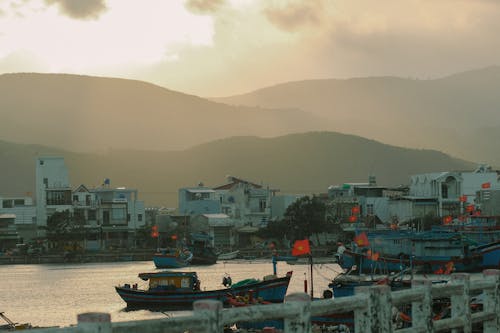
(53, 190)
(119, 213)
(247, 203)
(452, 190)
(23, 212)
(198, 200)
(219, 227)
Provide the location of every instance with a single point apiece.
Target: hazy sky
(223, 47)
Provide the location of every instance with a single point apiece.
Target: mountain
(90, 114)
(457, 114)
(297, 163)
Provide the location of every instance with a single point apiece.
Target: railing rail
(372, 307)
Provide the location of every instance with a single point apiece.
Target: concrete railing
(372, 308)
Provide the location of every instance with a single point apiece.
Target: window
(262, 205)
(369, 209)
(139, 217)
(19, 202)
(444, 191)
(87, 199)
(92, 214)
(118, 213)
(75, 198)
(7, 204)
(41, 162)
(46, 182)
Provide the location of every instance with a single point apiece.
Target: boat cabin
(172, 280)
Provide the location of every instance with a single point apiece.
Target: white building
(22, 211)
(247, 203)
(52, 186)
(452, 190)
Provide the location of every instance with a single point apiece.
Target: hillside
(91, 114)
(298, 163)
(457, 114)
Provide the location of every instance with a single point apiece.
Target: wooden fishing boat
(170, 258)
(398, 250)
(178, 290)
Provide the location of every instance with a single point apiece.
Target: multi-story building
(119, 213)
(53, 190)
(22, 212)
(198, 200)
(246, 203)
(452, 191)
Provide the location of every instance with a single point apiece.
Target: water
(53, 295)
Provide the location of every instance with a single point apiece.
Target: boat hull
(168, 261)
(427, 264)
(272, 290)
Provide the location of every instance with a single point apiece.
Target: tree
(64, 227)
(305, 217)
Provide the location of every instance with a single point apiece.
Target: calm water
(52, 295)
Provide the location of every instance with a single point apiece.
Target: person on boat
(340, 251)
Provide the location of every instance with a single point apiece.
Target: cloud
(204, 6)
(292, 15)
(80, 9)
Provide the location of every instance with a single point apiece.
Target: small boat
(228, 255)
(169, 258)
(178, 290)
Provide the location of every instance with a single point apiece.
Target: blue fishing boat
(178, 290)
(171, 258)
(395, 250)
(483, 232)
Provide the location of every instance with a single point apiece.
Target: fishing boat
(228, 255)
(393, 251)
(482, 231)
(171, 258)
(178, 290)
(202, 250)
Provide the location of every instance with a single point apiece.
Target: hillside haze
(457, 114)
(299, 163)
(89, 114)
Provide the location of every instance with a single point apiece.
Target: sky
(215, 48)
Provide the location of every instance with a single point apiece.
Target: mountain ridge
(296, 163)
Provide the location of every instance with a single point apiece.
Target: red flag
(355, 210)
(469, 208)
(352, 218)
(463, 198)
(375, 256)
(447, 219)
(301, 247)
(361, 240)
(154, 231)
(486, 185)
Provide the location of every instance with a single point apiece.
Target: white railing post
(460, 304)
(94, 322)
(211, 311)
(381, 309)
(377, 315)
(491, 302)
(421, 312)
(362, 317)
(300, 323)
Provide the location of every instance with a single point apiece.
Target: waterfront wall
(372, 307)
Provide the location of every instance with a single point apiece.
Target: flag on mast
(301, 247)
